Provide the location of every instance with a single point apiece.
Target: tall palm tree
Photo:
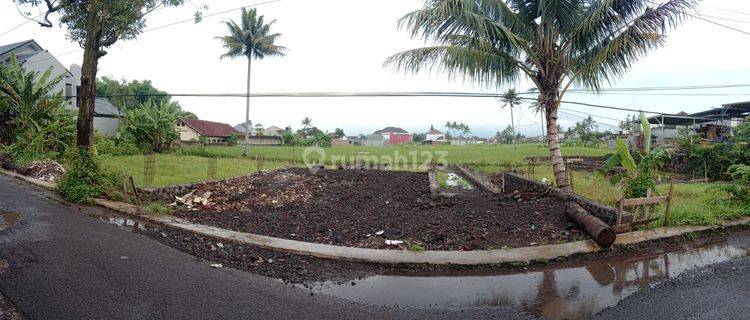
(538, 107)
(252, 38)
(511, 99)
(554, 44)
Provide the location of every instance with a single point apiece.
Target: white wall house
(34, 58)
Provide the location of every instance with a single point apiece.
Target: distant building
(434, 136)
(394, 135)
(375, 140)
(191, 130)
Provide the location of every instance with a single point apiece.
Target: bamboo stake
(669, 201)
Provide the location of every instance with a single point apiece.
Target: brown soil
(349, 207)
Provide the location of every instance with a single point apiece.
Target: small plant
(636, 177)
(232, 140)
(158, 208)
(416, 248)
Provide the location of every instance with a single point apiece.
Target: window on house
(68, 91)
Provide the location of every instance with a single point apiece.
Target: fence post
(669, 201)
(211, 174)
(149, 169)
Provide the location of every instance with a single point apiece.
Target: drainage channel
(557, 292)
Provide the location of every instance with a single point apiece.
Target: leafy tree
(586, 131)
(252, 38)
(554, 44)
(232, 140)
(338, 133)
(419, 137)
(636, 177)
(629, 123)
(131, 94)
(96, 25)
(505, 137)
(151, 126)
(306, 122)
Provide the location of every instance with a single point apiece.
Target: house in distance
(394, 135)
(191, 131)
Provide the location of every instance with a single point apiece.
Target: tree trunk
(86, 94)
(245, 153)
(551, 105)
(512, 126)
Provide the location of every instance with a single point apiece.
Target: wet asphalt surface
(58, 263)
(63, 264)
(719, 291)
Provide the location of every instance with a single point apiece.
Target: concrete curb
(523, 255)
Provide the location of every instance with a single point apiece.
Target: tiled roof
(392, 130)
(11, 46)
(210, 128)
(435, 131)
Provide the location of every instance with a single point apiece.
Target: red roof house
(395, 135)
(214, 132)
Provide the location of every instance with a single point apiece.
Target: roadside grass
(692, 204)
(174, 169)
(158, 208)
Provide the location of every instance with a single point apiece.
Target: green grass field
(471, 154)
(693, 204)
(186, 165)
(177, 169)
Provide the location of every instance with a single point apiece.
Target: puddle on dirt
(556, 292)
(453, 180)
(7, 219)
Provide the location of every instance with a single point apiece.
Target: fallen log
(596, 228)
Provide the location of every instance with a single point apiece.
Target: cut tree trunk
(596, 228)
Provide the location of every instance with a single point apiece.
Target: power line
(723, 18)
(166, 25)
(727, 10)
(657, 88)
(210, 15)
(21, 25)
(376, 94)
(665, 94)
(718, 24)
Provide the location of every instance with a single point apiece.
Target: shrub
(116, 147)
(232, 140)
(151, 126)
(84, 178)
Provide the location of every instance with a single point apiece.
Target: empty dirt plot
(365, 208)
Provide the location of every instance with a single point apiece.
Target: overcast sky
(340, 45)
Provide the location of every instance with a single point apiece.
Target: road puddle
(120, 221)
(555, 292)
(7, 219)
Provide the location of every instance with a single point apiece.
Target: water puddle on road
(124, 222)
(555, 292)
(7, 219)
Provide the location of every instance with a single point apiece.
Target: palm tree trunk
(245, 152)
(541, 115)
(512, 127)
(558, 164)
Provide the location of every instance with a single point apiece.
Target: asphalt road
(719, 291)
(62, 264)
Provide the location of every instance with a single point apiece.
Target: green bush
(232, 140)
(84, 179)
(151, 126)
(116, 147)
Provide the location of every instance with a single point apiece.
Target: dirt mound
(365, 207)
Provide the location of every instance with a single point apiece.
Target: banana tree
(636, 177)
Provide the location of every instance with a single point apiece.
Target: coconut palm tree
(538, 107)
(252, 38)
(511, 99)
(554, 44)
